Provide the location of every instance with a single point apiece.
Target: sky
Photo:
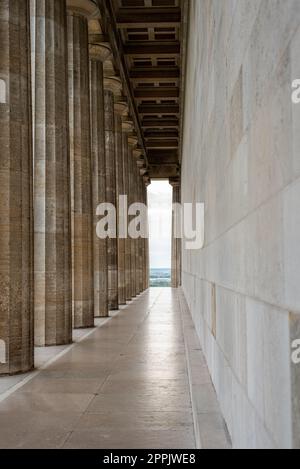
(160, 224)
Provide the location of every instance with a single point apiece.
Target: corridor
(125, 386)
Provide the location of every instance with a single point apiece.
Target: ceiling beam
(149, 17)
(160, 123)
(146, 49)
(159, 109)
(155, 73)
(163, 171)
(161, 134)
(156, 92)
(162, 144)
(168, 155)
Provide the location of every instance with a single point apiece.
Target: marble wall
(241, 158)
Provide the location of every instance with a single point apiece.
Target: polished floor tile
(124, 386)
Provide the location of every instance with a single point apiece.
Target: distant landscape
(160, 278)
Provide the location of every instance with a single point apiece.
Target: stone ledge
(210, 427)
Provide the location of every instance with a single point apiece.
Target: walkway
(125, 386)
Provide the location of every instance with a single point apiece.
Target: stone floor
(124, 385)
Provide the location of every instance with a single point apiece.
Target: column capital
(137, 152)
(147, 180)
(113, 84)
(141, 162)
(100, 52)
(175, 182)
(142, 167)
(127, 126)
(121, 108)
(132, 140)
(143, 171)
(87, 8)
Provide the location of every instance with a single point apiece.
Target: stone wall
(241, 157)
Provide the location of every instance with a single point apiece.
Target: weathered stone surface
(111, 196)
(81, 171)
(131, 200)
(52, 235)
(176, 242)
(240, 155)
(141, 240)
(85, 8)
(136, 241)
(146, 275)
(16, 218)
(99, 183)
(126, 192)
(120, 108)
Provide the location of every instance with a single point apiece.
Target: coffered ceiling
(152, 38)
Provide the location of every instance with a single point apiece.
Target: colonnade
(68, 143)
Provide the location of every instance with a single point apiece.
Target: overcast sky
(160, 221)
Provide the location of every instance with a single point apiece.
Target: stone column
(137, 241)
(176, 242)
(142, 171)
(98, 54)
(112, 88)
(120, 109)
(127, 127)
(81, 167)
(132, 142)
(52, 236)
(137, 152)
(147, 182)
(16, 219)
(141, 242)
(144, 240)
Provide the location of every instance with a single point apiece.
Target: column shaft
(52, 236)
(120, 192)
(176, 242)
(81, 173)
(141, 242)
(16, 220)
(99, 185)
(147, 265)
(112, 244)
(128, 292)
(137, 241)
(132, 241)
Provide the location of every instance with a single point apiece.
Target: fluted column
(127, 127)
(120, 109)
(146, 181)
(145, 247)
(80, 156)
(52, 241)
(136, 154)
(176, 242)
(132, 142)
(136, 241)
(98, 54)
(142, 171)
(112, 88)
(141, 242)
(16, 228)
